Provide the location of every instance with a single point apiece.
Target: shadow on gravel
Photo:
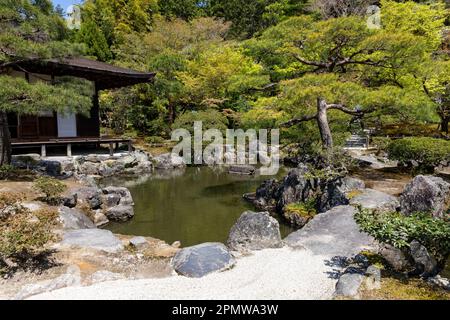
(337, 264)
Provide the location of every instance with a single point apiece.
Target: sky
(65, 3)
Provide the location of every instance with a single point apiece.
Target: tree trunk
(172, 114)
(5, 140)
(322, 122)
(444, 124)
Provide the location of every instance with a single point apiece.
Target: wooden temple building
(54, 129)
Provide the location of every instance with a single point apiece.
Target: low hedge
(427, 152)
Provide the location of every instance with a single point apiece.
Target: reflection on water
(196, 206)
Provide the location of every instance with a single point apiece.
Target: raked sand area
(306, 268)
(268, 274)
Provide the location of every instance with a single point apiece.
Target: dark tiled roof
(106, 76)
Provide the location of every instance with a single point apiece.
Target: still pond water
(198, 204)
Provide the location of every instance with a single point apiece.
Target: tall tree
(382, 60)
(32, 31)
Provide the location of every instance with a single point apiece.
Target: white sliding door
(67, 125)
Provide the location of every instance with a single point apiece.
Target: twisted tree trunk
(5, 140)
(322, 120)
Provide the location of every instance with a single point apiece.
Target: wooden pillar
(130, 146)
(95, 112)
(111, 148)
(69, 149)
(43, 151)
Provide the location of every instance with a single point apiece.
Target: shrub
(51, 187)
(154, 140)
(211, 119)
(382, 143)
(9, 172)
(25, 234)
(428, 152)
(399, 230)
(10, 203)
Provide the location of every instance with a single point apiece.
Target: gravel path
(307, 272)
(268, 274)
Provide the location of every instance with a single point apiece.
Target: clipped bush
(24, 235)
(427, 152)
(399, 231)
(9, 172)
(51, 187)
(10, 204)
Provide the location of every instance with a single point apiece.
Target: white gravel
(283, 273)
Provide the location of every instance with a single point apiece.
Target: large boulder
(426, 194)
(169, 161)
(122, 194)
(254, 231)
(200, 260)
(334, 232)
(91, 196)
(120, 213)
(396, 258)
(73, 219)
(265, 196)
(98, 239)
(376, 200)
(336, 192)
(296, 187)
(348, 285)
(425, 263)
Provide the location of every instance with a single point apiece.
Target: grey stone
(138, 242)
(93, 239)
(376, 200)
(396, 258)
(169, 161)
(128, 161)
(426, 264)
(439, 281)
(348, 285)
(426, 194)
(71, 200)
(200, 260)
(373, 278)
(334, 232)
(242, 169)
(120, 213)
(90, 195)
(254, 231)
(100, 219)
(104, 275)
(71, 278)
(111, 200)
(348, 184)
(73, 219)
(122, 192)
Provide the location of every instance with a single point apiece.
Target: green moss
(405, 289)
(304, 210)
(353, 193)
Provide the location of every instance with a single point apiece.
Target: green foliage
(399, 230)
(184, 9)
(26, 233)
(51, 187)
(211, 119)
(428, 152)
(95, 41)
(250, 17)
